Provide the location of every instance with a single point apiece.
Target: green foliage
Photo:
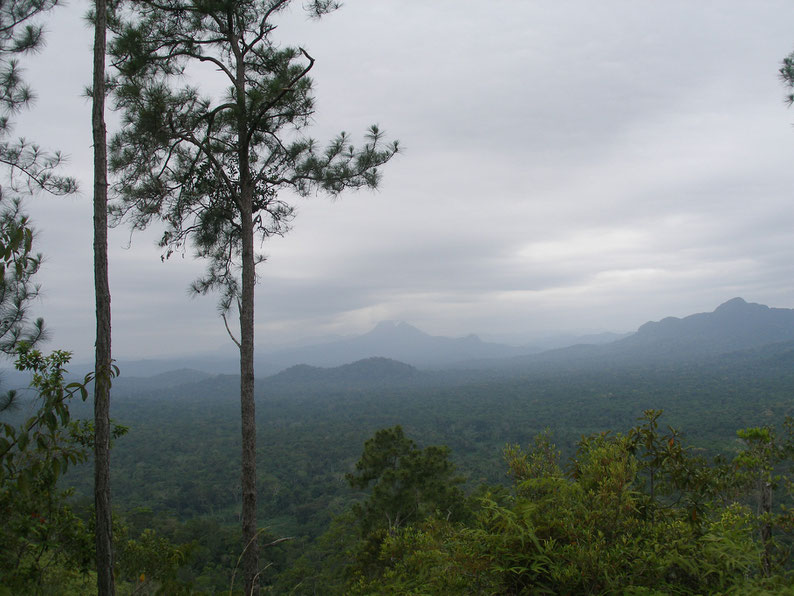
(434, 557)
(540, 462)
(45, 546)
(755, 467)
(178, 456)
(18, 265)
(594, 529)
(212, 169)
(408, 484)
(19, 36)
(41, 535)
(151, 562)
(27, 169)
(30, 168)
(328, 564)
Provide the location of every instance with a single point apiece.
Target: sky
(568, 167)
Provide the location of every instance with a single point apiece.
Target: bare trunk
(104, 527)
(247, 406)
(247, 410)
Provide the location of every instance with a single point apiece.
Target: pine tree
(27, 169)
(103, 361)
(213, 168)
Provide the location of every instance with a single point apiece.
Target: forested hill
(367, 372)
(734, 325)
(389, 375)
(300, 380)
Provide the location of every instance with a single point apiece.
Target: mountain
(736, 328)
(747, 330)
(388, 339)
(166, 380)
(367, 373)
(732, 326)
(737, 334)
(299, 381)
(395, 341)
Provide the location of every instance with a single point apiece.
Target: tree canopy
(199, 162)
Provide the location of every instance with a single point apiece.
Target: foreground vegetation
(638, 509)
(631, 513)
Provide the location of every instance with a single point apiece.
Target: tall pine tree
(103, 361)
(212, 168)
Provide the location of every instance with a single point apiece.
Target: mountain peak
(394, 328)
(734, 325)
(737, 307)
(732, 305)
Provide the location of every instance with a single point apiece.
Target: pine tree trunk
(104, 527)
(247, 406)
(247, 409)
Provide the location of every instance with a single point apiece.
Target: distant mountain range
(733, 327)
(397, 353)
(394, 340)
(735, 334)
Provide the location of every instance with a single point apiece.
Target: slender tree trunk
(104, 527)
(247, 406)
(247, 410)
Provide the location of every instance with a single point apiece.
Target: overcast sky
(569, 166)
